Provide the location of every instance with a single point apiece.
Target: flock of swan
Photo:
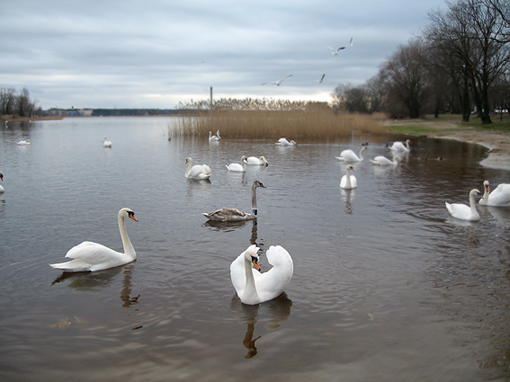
(500, 197)
(251, 284)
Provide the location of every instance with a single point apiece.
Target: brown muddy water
(386, 286)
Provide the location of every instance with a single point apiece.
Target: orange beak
(256, 264)
(133, 217)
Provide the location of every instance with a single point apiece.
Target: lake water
(386, 287)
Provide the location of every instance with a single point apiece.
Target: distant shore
(16, 118)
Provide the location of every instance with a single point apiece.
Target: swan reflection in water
(271, 312)
(231, 226)
(346, 196)
(89, 281)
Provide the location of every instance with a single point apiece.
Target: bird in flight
(335, 51)
(320, 81)
(277, 83)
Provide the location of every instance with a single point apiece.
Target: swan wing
(500, 196)
(236, 167)
(228, 214)
(93, 253)
(272, 283)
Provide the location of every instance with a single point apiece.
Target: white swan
(24, 143)
(399, 146)
(383, 161)
(197, 171)
(254, 287)
(227, 214)
(260, 161)
(106, 143)
(236, 167)
(349, 156)
(285, 142)
(348, 181)
(500, 197)
(214, 138)
(89, 256)
(462, 211)
(1, 178)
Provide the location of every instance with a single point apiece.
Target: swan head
(257, 183)
(264, 160)
(252, 256)
(474, 192)
(1, 175)
(127, 213)
(485, 186)
(188, 160)
(349, 168)
(244, 159)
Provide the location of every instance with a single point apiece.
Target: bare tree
(406, 76)
(472, 34)
(352, 99)
(7, 101)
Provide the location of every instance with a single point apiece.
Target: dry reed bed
(273, 119)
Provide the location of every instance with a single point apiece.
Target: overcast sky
(155, 53)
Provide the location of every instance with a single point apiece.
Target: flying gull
(335, 51)
(277, 83)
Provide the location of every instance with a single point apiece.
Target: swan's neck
(347, 172)
(254, 200)
(361, 153)
(250, 291)
(472, 204)
(486, 194)
(126, 242)
(190, 162)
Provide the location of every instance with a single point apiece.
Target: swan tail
(76, 265)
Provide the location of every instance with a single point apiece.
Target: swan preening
(254, 287)
(227, 214)
(399, 146)
(285, 142)
(236, 167)
(335, 51)
(1, 178)
(24, 143)
(106, 143)
(214, 138)
(350, 156)
(464, 212)
(383, 161)
(277, 83)
(260, 161)
(348, 181)
(89, 256)
(500, 197)
(197, 171)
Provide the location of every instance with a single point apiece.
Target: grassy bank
(276, 119)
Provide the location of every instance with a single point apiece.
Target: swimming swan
(214, 138)
(197, 171)
(89, 256)
(399, 146)
(349, 156)
(227, 214)
(500, 197)
(24, 143)
(254, 287)
(260, 161)
(106, 143)
(383, 161)
(236, 167)
(285, 142)
(348, 182)
(462, 211)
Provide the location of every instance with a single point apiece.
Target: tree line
(459, 64)
(17, 104)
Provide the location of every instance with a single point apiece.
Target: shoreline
(497, 141)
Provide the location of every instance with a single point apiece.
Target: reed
(273, 119)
